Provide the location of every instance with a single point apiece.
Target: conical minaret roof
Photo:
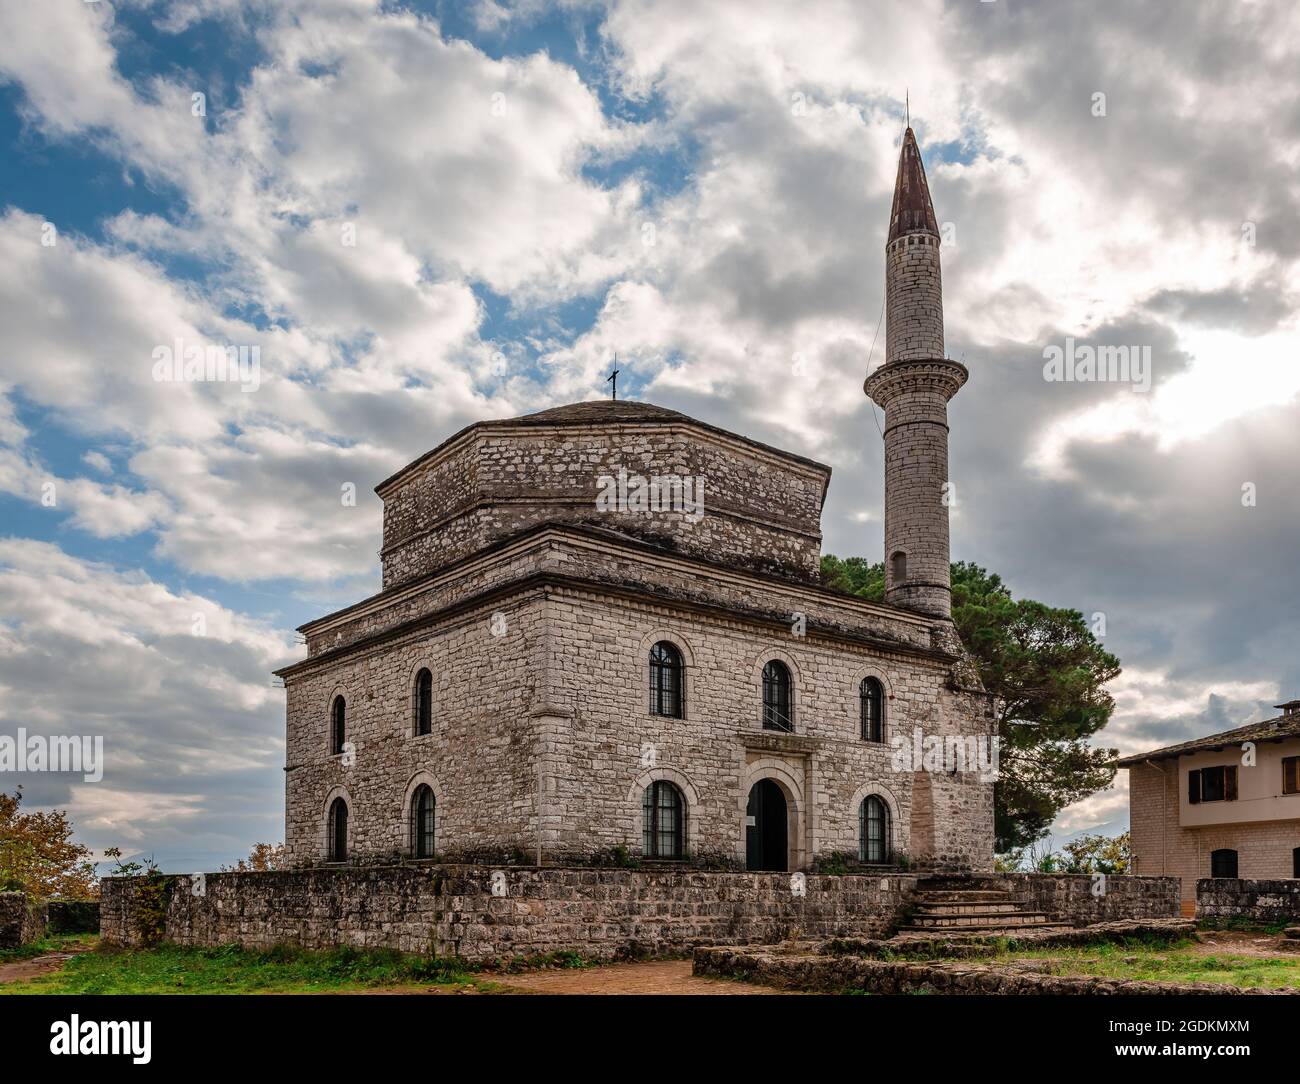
(912, 208)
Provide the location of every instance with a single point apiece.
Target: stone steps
(962, 907)
(959, 896)
(979, 905)
(1000, 927)
(1010, 920)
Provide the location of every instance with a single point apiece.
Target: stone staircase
(953, 905)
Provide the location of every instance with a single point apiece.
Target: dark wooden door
(766, 828)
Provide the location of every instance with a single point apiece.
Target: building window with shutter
(1291, 775)
(1217, 784)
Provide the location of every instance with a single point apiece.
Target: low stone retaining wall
(22, 920)
(453, 910)
(831, 974)
(1080, 899)
(1265, 902)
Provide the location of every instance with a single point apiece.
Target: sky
(423, 215)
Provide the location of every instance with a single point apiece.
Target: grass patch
(1177, 962)
(228, 969)
(63, 942)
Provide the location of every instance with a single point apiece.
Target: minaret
(914, 386)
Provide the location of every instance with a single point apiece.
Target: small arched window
(338, 830)
(871, 704)
(423, 809)
(873, 830)
(1223, 863)
(666, 680)
(778, 711)
(663, 818)
(338, 724)
(424, 702)
(898, 567)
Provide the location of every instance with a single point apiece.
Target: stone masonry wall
(719, 750)
(1072, 896)
(760, 510)
(1266, 902)
(913, 299)
(563, 692)
(480, 758)
(22, 920)
(560, 701)
(451, 910)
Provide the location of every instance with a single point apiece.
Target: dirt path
(654, 977)
(41, 965)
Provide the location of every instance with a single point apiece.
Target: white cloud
(89, 650)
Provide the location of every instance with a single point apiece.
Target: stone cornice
(889, 380)
(610, 544)
(546, 582)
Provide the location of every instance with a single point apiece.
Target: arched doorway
(767, 844)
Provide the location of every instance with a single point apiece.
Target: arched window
(778, 711)
(873, 830)
(663, 816)
(338, 724)
(1223, 863)
(423, 807)
(338, 830)
(898, 566)
(665, 680)
(871, 702)
(424, 702)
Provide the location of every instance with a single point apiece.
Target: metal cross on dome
(612, 380)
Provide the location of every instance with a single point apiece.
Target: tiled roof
(601, 410)
(912, 209)
(1283, 726)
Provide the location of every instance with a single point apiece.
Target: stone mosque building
(602, 636)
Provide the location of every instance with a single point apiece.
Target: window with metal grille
(1223, 863)
(666, 680)
(873, 830)
(663, 815)
(423, 807)
(1216, 784)
(871, 701)
(338, 830)
(338, 724)
(1291, 775)
(778, 711)
(424, 702)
